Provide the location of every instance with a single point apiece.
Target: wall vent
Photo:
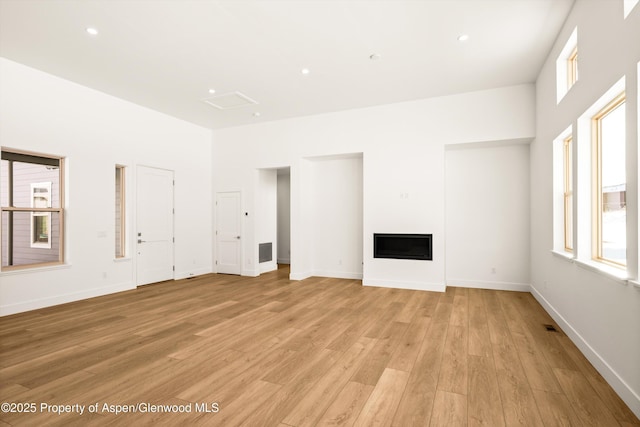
(230, 100)
(265, 252)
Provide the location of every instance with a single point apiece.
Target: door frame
(134, 238)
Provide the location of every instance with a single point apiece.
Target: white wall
(335, 201)
(403, 169)
(267, 215)
(94, 131)
(284, 217)
(487, 216)
(599, 312)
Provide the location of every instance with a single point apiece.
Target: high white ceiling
(167, 54)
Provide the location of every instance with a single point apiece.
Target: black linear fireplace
(402, 246)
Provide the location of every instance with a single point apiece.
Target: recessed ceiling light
(256, 114)
(374, 56)
(212, 91)
(92, 31)
(305, 71)
(463, 37)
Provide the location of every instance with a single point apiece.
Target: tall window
(609, 184)
(567, 169)
(120, 212)
(572, 67)
(567, 66)
(32, 209)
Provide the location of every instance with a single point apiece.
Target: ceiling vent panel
(229, 101)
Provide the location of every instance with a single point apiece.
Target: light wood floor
(271, 352)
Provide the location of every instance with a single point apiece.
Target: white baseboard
(416, 286)
(300, 276)
(338, 274)
(192, 273)
(625, 392)
(250, 273)
(35, 304)
(498, 286)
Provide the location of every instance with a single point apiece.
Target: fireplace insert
(402, 246)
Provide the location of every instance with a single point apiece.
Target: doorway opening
(284, 217)
(273, 219)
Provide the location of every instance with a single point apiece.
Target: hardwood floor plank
(164, 379)
(417, 401)
(237, 372)
(449, 410)
(429, 303)
(384, 399)
(454, 369)
(410, 309)
(479, 338)
(499, 331)
(442, 312)
(585, 401)
(405, 355)
(484, 404)
(518, 403)
(378, 358)
(235, 413)
(379, 327)
(9, 391)
(555, 409)
(534, 363)
(291, 394)
(460, 310)
(347, 406)
(317, 400)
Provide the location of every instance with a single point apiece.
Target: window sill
(563, 255)
(35, 269)
(613, 273)
(635, 284)
(123, 259)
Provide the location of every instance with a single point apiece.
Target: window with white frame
(32, 205)
(609, 183)
(572, 68)
(567, 66)
(563, 190)
(567, 181)
(120, 212)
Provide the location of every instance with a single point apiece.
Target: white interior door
(228, 226)
(154, 224)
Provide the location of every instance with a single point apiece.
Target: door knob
(238, 237)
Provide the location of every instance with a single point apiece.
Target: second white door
(228, 236)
